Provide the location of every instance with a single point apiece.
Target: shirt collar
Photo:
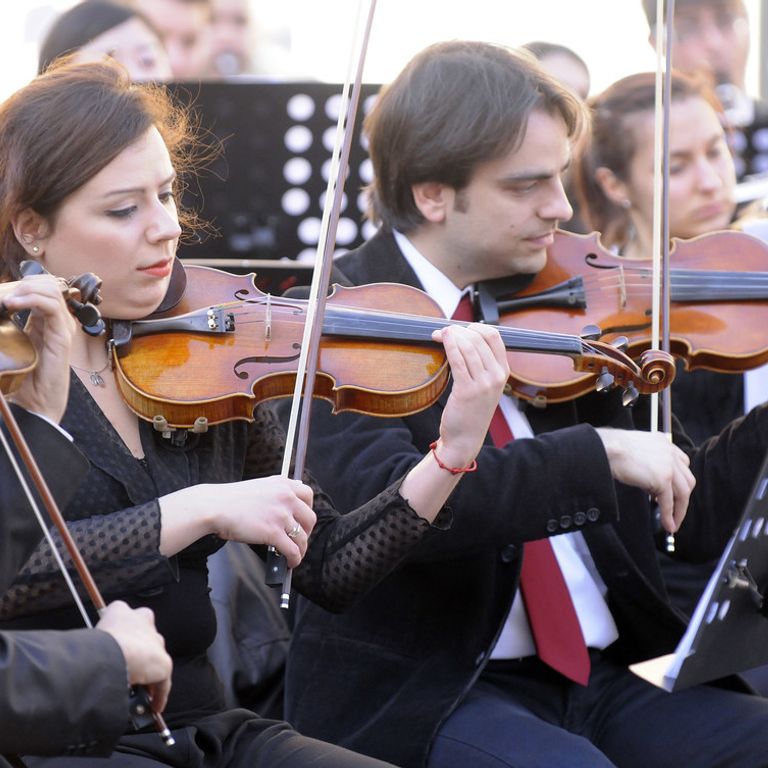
(440, 287)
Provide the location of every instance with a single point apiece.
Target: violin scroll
(81, 294)
(653, 372)
(82, 298)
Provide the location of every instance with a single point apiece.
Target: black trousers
(523, 714)
(234, 739)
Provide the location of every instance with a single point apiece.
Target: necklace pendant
(96, 379)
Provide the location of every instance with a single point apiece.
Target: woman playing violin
(453, 654)
(90, 165)
(615, 178)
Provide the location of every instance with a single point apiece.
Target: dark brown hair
(59, 131)
(614, 140)
(454, 106)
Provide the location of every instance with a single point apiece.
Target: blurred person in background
(711, 37)
(563, 63)
(185, 29)
(570, 70)
(94, 29)
(232, 38)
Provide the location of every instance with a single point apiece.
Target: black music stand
(729, 629)
(264, 192)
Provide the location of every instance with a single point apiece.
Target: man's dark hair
(455, 105)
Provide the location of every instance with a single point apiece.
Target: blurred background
(306, 38)
(267, 82)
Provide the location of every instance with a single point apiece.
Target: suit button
(579, 518)
(508, 553)
(552, 525)
(566, 521)
(593, 513)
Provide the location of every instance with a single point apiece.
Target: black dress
(115, 519)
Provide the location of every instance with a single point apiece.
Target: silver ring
(294, 532)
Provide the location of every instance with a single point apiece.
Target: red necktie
(554, 624)
(551, 615)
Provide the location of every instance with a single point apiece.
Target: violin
(227, 346)
(718, 305)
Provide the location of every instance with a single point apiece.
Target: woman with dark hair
(90, 165)
(615, 174)
(615, 180)
(96, 28)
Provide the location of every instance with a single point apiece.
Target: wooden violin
(718, 305)
(227, 346)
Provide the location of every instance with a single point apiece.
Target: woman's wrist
(185, 518)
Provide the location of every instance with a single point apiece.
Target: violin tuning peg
(630, 395)
(201, 425)
(591, 333)
(621, 343)
(160, 424)
(88, 316)
(604, 381)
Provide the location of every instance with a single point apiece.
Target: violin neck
(355, 323)
(714, 285)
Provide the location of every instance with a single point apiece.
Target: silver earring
(35, 249)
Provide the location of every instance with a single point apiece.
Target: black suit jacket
(382, 677)
(60, 692)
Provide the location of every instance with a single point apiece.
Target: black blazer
(382, 677)
(60, 692)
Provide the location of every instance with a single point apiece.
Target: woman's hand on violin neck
(479, 369)
(51, 329)
(275, 511)
(652, 462)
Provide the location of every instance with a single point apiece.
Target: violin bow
(661, 269)
(141, 710)
(313, 324)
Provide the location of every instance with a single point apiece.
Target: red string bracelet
(453, 470)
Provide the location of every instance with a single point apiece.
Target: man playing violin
(458, 657)
(61, 691)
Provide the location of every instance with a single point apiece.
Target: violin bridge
(268, 319)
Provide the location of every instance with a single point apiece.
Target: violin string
(683, 276)
(685, 284)
(382, 321)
